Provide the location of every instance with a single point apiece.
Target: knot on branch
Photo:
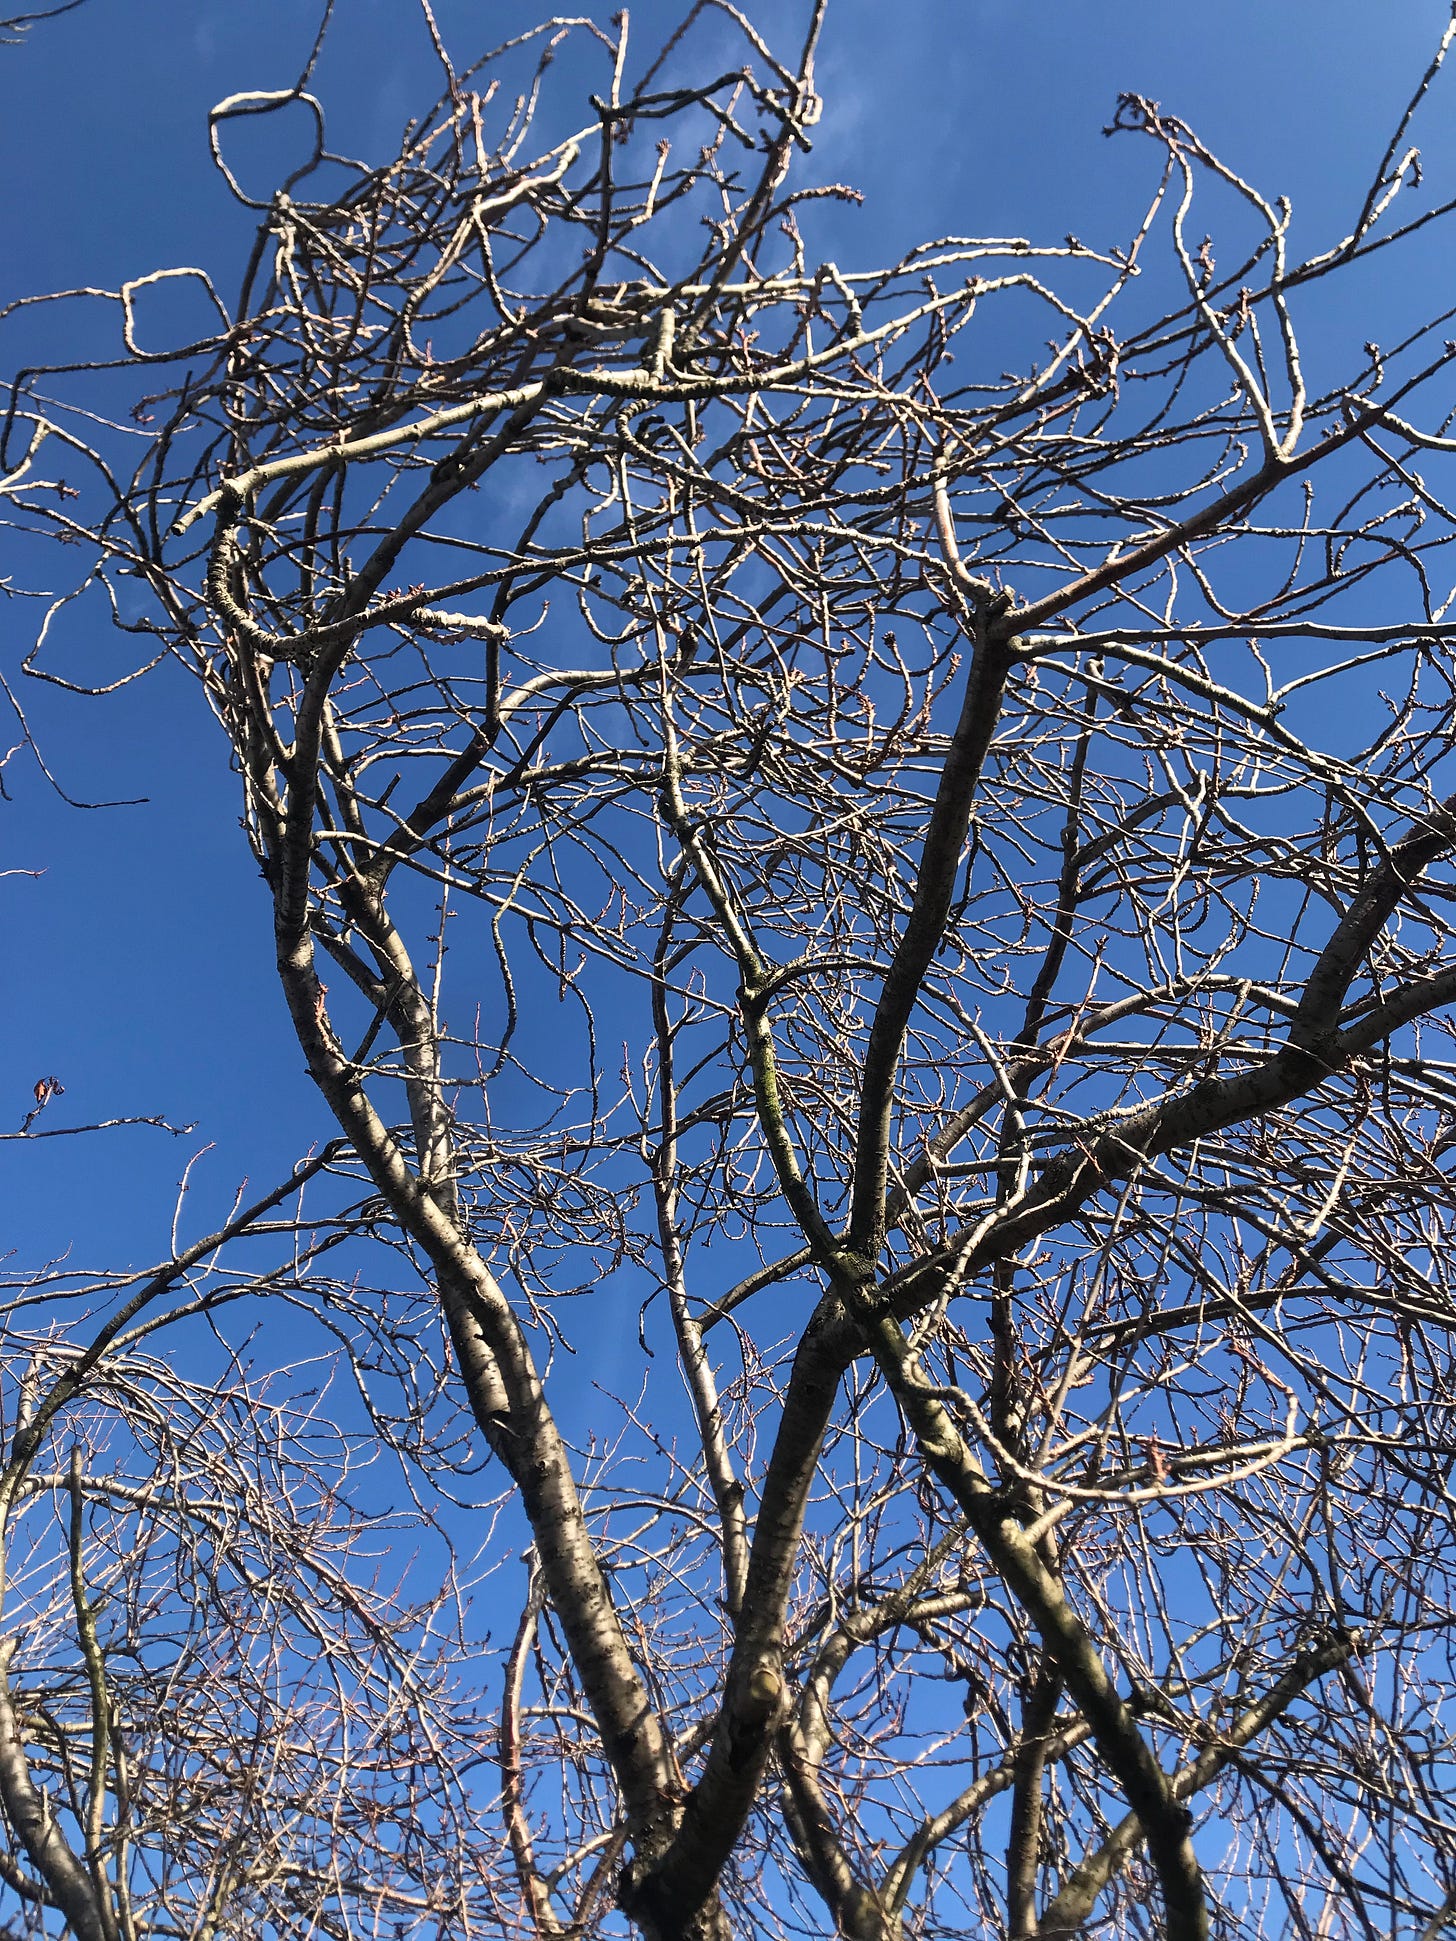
(763, 1693)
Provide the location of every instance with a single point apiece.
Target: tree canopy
(921, 888)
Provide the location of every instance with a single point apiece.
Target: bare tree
(934, 882)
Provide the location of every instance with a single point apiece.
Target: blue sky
(139, 969)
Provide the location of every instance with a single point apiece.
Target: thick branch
(1068, 1645)
(940, 859)
(523, 1434)
(51, 1856)
(1079, 1893)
